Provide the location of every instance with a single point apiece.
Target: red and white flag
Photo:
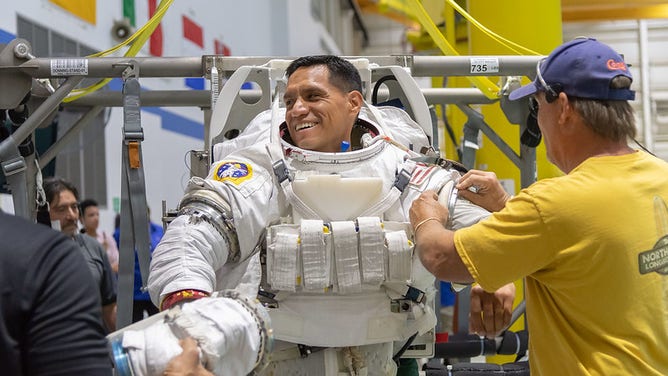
(193, 38)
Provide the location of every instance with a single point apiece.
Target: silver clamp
(204, 205)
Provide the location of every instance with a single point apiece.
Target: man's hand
(426, 208)
(187, 363)
(491, 312)
(483, 189)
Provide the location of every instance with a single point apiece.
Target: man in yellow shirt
(592, 245)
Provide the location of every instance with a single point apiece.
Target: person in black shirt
(50, 317)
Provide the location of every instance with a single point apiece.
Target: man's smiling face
(318, 114)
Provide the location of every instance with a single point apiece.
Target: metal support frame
(202, 99)
(20, 70)
(420, 66)
(12, 160)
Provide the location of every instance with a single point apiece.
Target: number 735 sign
(484, 65)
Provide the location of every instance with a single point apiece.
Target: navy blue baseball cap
(583, 67)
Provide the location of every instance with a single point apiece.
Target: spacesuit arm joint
(204, 205)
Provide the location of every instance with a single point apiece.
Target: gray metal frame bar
(421, 66)
(202, 98)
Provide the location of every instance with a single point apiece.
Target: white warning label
(69, 67)
(484, 65)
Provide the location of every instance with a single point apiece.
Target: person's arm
(109, 316)
(483, 189)
(490, 313)
(107, 292)
(434, 243)
(112, 251)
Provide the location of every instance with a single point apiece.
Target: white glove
(233, 334)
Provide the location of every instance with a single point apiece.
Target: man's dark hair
(342, 74)
(54, 185)
(85, 204)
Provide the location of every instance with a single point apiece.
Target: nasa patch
(234, 172)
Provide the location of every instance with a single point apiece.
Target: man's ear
(566, 113)
(356, 100)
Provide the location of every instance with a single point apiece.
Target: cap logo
(615, 65)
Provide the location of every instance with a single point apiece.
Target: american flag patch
(421, 173)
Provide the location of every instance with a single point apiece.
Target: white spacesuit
(325, 237)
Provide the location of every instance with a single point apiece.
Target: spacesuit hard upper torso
(337, 262)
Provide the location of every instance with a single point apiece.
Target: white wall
(303, 28)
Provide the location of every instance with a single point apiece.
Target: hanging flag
(155, 42)
(84, 9)
(193, 45)
(193, 33)
(221, 48)
(129, 11)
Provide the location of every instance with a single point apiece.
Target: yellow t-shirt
(593, 246)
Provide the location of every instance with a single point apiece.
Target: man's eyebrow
(314, 90)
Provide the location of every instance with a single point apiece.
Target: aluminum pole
(202, 98)
(106, 67)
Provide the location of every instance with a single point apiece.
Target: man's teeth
(304, 126)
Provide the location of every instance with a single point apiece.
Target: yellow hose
(487, 87)
(138, 39)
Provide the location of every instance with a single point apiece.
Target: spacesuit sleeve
(108, 286)
(467, 214)
(463, 213)
(186, 258)
(221, 220)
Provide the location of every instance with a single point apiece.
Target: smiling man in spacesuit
(317, 221)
